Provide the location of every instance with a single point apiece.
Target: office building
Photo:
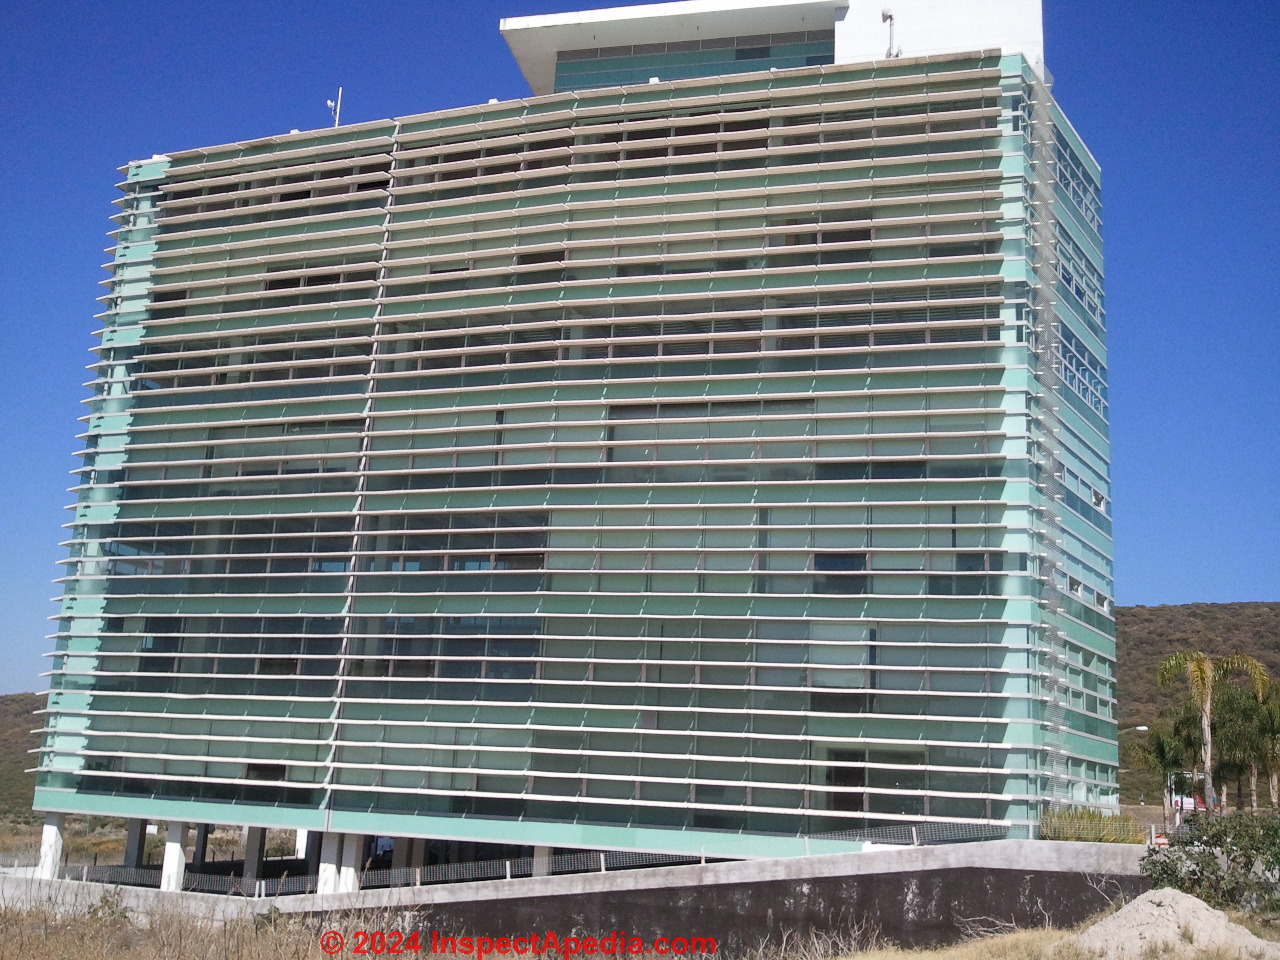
(706, 454)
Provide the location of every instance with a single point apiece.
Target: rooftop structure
(675, 38)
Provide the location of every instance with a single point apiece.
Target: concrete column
(330, 863)
(300, 845)
(541, 861)
(200, 849)
(312, 851)
(254, 847)
(50, 847)
(400, 853)
(352, 863)
(135, 842)
(175, 857)
(418, 853)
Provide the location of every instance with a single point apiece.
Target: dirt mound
(1167, 923)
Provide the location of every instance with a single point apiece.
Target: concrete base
(175, 858)
(352, 863)
(330, 864)
(401, 848)
(541, 861)
(135, 843)
(200, 849)
(255, 845)
(50, 847)
(311, 853)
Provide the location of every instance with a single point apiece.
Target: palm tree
(1239, 741)
(1166, 753)
(1270, 723)
(1185, 724)
(1202, 672)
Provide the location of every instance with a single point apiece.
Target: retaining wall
(915, 896)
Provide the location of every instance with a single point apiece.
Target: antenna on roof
(335, 108)
(887, 17)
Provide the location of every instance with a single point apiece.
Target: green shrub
(1230, 862)
(109, 908)
(1091, 826)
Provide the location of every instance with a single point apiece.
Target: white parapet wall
(923, 28)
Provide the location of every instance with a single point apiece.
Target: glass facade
(629, 466)
(680, 60)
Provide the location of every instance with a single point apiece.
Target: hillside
(1146, 635)
(16, 738)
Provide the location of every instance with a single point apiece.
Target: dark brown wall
(914, 909)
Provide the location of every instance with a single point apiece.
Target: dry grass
(1019, 945)
(112, 935)
(1266, 928)
(1034, 945)
(28, 934)
(108, 932)
(95, 840)
(1090, 826)
(84, 838)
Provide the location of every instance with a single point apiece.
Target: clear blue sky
(1177, 99)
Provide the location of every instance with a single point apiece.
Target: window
(265, 771)
(848, 769)
(277, 666)
(839, 561)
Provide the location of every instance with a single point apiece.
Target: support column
(135, 843)
(330, 863)
(300, 845)
(400, 853)
(175, 857)
(254, 846)
(200, 850)
(541, 861)
(418, 853)
(352, 862)
(312, 852)
(50, 847)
